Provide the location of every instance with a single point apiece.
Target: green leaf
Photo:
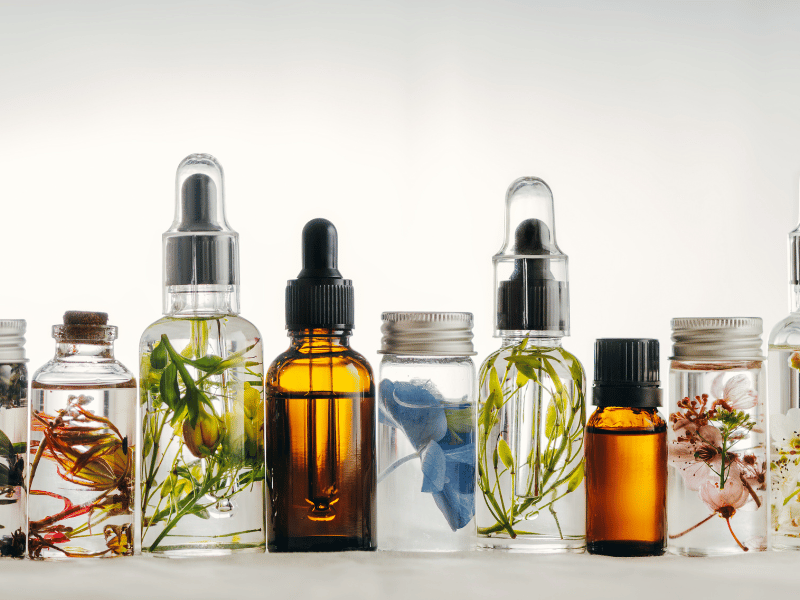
(495, 391)
(207, 363)
(170, 391)
(6, 448)
(486, 415)
(575, 479)
(505, 453)
(530, 366)
(159, 358)
(495, 457)
(552, 428)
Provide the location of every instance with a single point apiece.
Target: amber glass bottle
(626, 452)
(320, 415)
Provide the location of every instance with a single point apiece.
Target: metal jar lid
(726, 338)
(427, 333)
(12, 341)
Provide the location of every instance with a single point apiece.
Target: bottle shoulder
(110, 373)
(627, 419)
(344, 371)
(561, 360)
(183, 328)
(786, 332)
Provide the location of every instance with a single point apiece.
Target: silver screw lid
(427, 333)
(717, 338)
(12, 341)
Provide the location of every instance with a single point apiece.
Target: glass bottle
(784, 411)
(426, 432)
(321, 414)
(13, 437)
(82, 446)
(626, 452)
(202, 472)
(717, 438)
(532, 413)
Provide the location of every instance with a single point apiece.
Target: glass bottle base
(689, 551)
(544, 545)
(625, 548)
(199, 552)
(320, 544)
(781, 543)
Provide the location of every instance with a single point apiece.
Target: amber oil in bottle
(320, 414)
(626, 452)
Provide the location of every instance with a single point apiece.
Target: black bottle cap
(626, 373)
(532, 299)
(320, 297)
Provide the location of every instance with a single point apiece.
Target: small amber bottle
(626, 452)
(320, 414)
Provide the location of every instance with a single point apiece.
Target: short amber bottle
(626, 452)
(320, 415)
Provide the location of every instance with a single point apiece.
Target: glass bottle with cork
(626, 452)
(83, 446)
(202, 471)
(321, 414)
(532, 412)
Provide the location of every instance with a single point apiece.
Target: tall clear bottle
(784, 411)
(532, 413)
(82, 446)
(13, 436)
(202, 471)
(321, 414)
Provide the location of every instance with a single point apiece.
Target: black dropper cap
(532, 299)
(320, 297)
(626, 373)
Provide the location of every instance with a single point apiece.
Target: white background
(667, 131)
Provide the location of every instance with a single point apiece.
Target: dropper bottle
(202, 472)
(532, 408)
(321, 414)
(784, 411)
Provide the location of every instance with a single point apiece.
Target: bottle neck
(535, 338)
(794, 297)
(320, 339)
(82, 351)
(193, 300)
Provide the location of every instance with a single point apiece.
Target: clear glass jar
(13, 436)
(82, 446)
(717, 500)
(426, 433)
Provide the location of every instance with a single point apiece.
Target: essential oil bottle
(321, 414)
(784, 410)
(82, 446)
(202, 471)
(13, 436)
(626, 452)
(532, 413)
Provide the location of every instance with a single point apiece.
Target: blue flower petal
(433, 467)
(418, 412)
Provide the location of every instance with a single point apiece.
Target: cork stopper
(84, 326)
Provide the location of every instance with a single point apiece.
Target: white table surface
(373, 575)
